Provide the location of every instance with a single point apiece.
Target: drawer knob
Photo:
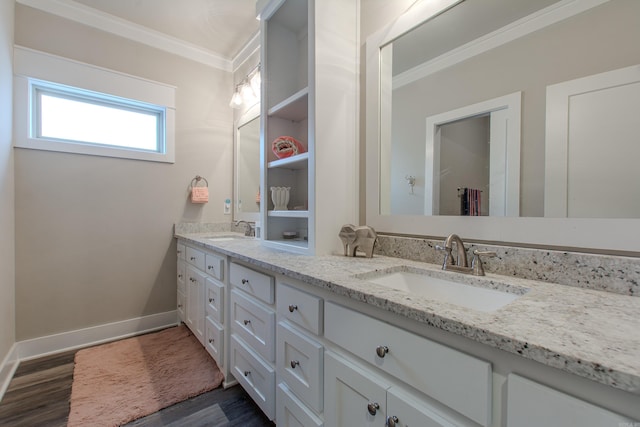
(179, 276)
(294, 363)
(246, 322)
(211, 300)
(382, 350)
(179, 305)
(211, 340)
(292, 308)
(193, 258)
(392, 421)
(245, 281)
(373, 408)
(246, 373)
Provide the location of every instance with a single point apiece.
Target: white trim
(529, 24)
(557, 134)
(51, 344)
(30, 63)
(7, 369)
(57, 343)
(505, 154)
(247, 50)
(103, 21)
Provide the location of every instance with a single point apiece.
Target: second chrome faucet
(460, 263)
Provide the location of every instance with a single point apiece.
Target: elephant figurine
(354, 238)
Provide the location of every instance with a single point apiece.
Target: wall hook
(411, 180)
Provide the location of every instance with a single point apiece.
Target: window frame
(38, 70)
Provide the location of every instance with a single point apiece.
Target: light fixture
(247, 91)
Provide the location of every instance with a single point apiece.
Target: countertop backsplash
(609, 273)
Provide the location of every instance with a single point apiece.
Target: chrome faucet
(460, 264)
(249, 230)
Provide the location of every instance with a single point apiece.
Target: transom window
(74, 115)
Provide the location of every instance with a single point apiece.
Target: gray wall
(7, 247)
(93, 234)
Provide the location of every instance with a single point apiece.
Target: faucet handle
(476, 262)
(447, 256)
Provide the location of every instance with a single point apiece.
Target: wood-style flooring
(39, 394)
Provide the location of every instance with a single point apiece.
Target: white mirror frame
(600, 235)
(252, 113)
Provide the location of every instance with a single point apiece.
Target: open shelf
(299, 161)
(294, 108)
(289, 214)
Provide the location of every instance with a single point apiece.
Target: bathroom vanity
(316, 341)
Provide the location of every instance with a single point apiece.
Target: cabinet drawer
(531, 404)
(181, 251)
(214, 266)
(453, 378)
(214, 300)
(255, 323)
(301, 308)
(253, 282)
(181, 306)
(255, 376)
(300, 362)
(213, 340)
(195, 258)
(291, 412)
(181, 275)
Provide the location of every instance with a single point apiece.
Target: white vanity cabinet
(356, 395)
(201, 297)
(530, 404)
(454, 379)
(194, 312)
(253, 324)
(312, 97)
(300, 356)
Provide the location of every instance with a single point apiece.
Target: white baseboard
(57, 343)
(8, 368)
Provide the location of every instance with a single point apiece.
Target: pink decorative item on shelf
(286, 146)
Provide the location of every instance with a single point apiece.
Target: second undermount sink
(484, 295)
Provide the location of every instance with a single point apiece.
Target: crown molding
(247, 50)
(103, 21)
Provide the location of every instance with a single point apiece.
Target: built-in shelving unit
(319, 111)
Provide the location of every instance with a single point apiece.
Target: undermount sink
(428, 284)
(226, 237)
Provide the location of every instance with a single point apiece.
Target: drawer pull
(292, 308)
(373, 408)
(245, 281)
(211, 267)
(193, 258)
(246, 322)
(211, 300)
(382, 350)
(294, 363)
(179, 305)
(179, 276)
(211, 340)
(246, 373)
(392, 421)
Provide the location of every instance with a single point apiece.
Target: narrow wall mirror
(445, 56)
(247, 194)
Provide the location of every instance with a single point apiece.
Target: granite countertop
(589, 333)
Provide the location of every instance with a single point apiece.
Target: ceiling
(220, 27)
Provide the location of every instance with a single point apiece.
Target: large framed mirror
(247, 195)
(501, 75)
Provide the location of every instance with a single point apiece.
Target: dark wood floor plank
(39, 394)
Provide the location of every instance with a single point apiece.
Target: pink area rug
(119, 382)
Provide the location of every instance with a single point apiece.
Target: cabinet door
(195, 303)
(407, 410)
(530, 404)
(354, 396)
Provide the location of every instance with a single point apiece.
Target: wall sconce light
(247, 91)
